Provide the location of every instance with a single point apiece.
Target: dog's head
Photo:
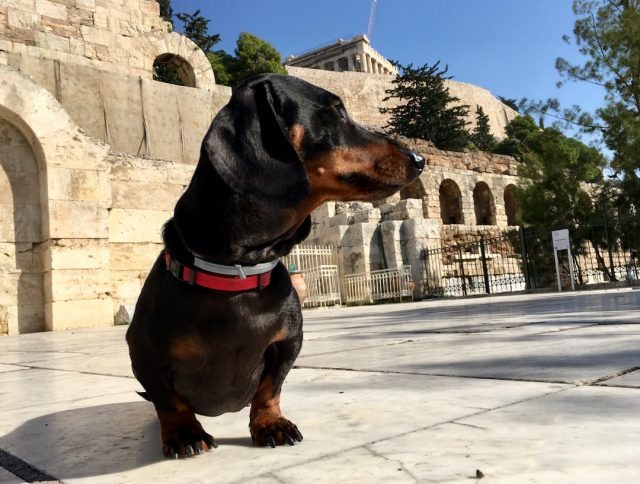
(280, 140)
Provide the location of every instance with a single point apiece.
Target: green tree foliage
(196, 28)
(253, 56)
(166, 11)
(607, 33)
(481, 136)
(512, 103)
(554, 175)
(425, 109)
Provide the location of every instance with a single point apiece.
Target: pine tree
(196, 28)
(424, 110)
(481, 136)
(166, 11)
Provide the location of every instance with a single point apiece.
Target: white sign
(561, 242)
(560, 239)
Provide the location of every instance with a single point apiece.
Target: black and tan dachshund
(218, 325)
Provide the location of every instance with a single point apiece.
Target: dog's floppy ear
(251, 151)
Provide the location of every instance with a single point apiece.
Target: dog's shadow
(93, 441)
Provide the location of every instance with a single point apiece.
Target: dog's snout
(417, 159)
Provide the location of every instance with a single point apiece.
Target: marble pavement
(517, 389)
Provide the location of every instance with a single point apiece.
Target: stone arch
(511, 207)
(178, 67)
(187, 57)
(416, 190)
(22, 290)
(73, 201)
(450, 203)
(484, 204)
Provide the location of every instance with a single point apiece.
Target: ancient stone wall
(363, 93)
(121, 36)
(135, 116)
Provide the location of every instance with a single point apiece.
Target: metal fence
(523, 259)
(319, 263)
(378, 285)
(326, 286)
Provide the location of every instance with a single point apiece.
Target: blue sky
(506, 46)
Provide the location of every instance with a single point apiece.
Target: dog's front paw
(274, 431)
(187, 442)
(182, 435)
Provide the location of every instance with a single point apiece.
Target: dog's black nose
(418, 160)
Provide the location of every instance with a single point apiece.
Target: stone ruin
(94, 153)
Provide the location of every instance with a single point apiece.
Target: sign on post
(561, 241)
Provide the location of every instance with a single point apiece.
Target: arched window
(484, 205)
(511, 205)
(450, 203)
(173, 69)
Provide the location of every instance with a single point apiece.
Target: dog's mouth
(370, 172)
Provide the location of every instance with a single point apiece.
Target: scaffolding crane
(372, 17)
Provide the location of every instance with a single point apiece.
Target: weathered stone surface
(86, 313)
(76, 284)
(76, 254)
(78, 219)
(143, 195)
(127, 225)
(133, 256)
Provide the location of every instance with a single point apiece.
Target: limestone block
(330, 236)
(74, 184)
(15, 257)
(51, 9)
(356, 259)
(340, 219)
(89, 313)
(133, 256)
(179, 173)
(22, 319)
(20, 223)
(127, 225)
(420, 228)
(62, 28)
(371, 215)
(21, 19)
(129, 168)
(51, 41)
(76, 254)
(86, 5)
(20, 288)
(71, 284)
(142, 195)
(101, 17)
(360, 234)
(40, 70)
(390, 232)
(127, 284)
(79, 219)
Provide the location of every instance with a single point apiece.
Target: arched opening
(21, 279)
(484, 205)
(511, 205)
(450, 203)
(173, 69)
(416, 190)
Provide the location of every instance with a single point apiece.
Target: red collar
(217, 282)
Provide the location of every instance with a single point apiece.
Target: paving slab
(536, 388)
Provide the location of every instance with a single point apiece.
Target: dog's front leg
(267, 425)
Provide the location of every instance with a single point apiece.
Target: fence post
(612, 272)
(464, 277)
(525, 258)
(485, 269)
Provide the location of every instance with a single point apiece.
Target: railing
(518, 260)
(307, 257)
(378, 285)
(323, 286)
